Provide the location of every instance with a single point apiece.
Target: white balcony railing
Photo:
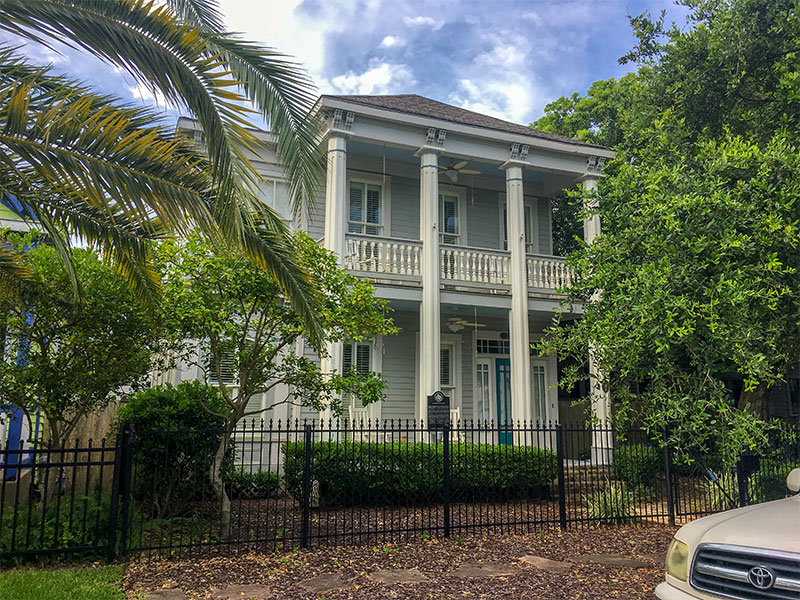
(382, 255)
(394, 256)
(459, 263)
(547, 272)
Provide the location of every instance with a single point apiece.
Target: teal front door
(503, 378)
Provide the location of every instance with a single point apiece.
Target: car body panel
(768, 526)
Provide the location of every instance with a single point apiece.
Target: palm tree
(85, 164)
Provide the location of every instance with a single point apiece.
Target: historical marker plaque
(438, 411)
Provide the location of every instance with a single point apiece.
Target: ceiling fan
(456, 324)
(453, 170)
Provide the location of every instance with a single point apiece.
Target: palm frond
(204, 14)
(14, 272)
(280, 90)
(210, 74)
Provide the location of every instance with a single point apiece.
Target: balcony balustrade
(383, 255)
(458, 264)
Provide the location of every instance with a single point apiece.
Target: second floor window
(275, 194)
(530, 247)
(366, 208)
(449, 219)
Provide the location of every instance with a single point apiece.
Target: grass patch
(88, 583)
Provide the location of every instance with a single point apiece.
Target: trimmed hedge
(251, 486)
(370, 473)
(637, 464)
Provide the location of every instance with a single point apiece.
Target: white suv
(750, 553)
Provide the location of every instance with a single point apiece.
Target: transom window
(366, 208)
(485, 346)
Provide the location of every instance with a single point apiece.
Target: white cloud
(500, 81)
(281, 26)
(391, 41)
(423, 22)
(149, 96)
(379, 78)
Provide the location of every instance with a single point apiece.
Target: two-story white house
(449, 213)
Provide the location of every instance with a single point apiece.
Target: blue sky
(506, 58)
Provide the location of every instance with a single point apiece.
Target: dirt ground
(436, 559)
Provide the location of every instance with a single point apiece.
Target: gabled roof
(413, 104)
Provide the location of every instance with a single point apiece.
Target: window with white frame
(491, 346)
(530, 246)
(356, 356)
(450, 218)
(223, 374)
(447, 378)
(539, 386)
(366, 208)
(483, 392)
(275, 194)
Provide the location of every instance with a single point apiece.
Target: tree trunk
(215, 476)
(757, 400)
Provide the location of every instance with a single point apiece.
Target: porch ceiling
(542, 179)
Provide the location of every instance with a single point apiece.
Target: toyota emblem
(761, 577)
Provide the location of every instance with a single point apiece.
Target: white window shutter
(225, 370)
(445, 367)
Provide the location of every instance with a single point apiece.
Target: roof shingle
(425, 107)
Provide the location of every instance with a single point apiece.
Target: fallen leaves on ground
(435, 558)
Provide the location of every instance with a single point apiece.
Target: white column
(429, 321)
(335, 228)
(600, 397)
(521, 399)
(336, 195)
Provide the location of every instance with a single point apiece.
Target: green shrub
(67, 523)
(721, 494)
(637, 464)
(175, 441)
(769, 482)
(766, 484)
(611, 504)
(251, 486)
(371, 473)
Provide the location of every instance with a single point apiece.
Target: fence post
(307, 440)
(668, 475)
(446, 479)
(745, 466)
(112, 517)
(562, 491)
(126, 477)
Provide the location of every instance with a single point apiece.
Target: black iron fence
(281, 486)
